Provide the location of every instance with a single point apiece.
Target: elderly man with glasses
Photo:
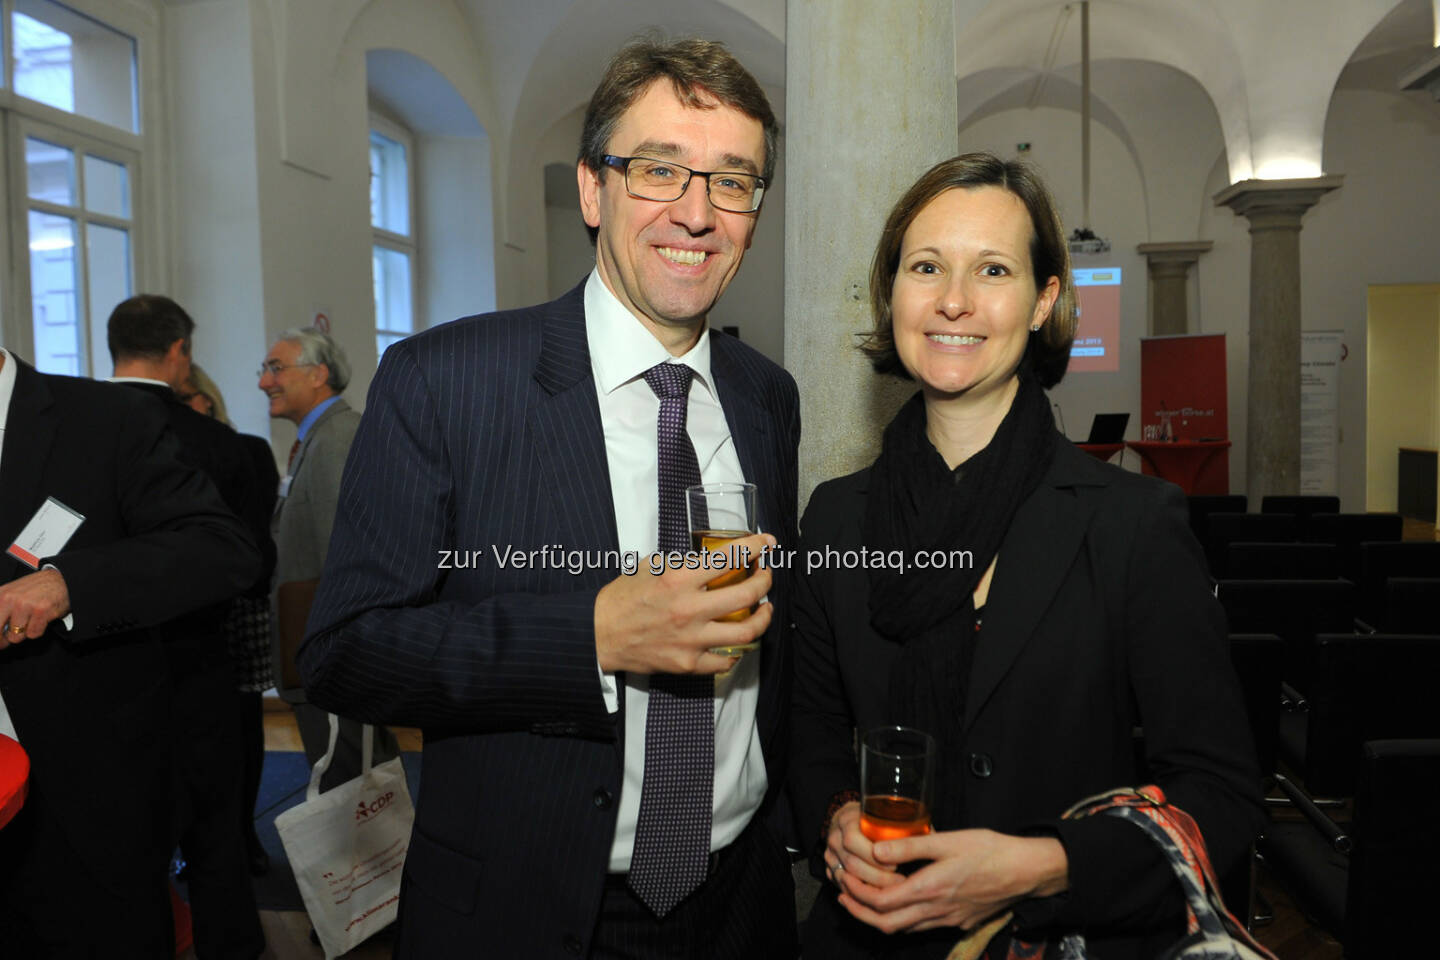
(303, 375)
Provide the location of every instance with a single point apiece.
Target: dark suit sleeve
(383, 647)
(1197, 745)
(184, 549)
(823, 761)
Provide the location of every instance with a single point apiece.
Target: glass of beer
(720, 513)
(897, 783)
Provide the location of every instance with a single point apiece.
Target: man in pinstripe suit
(500, 460)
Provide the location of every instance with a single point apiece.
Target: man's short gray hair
(318, 347)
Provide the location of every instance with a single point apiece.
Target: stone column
(1170, 265)
(1272, 410)
(870, 104)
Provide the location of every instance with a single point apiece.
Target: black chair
(1202, 505)
(1283, 561)
(1294, 610)
(1370, 881)
(1412, 605)
(1362, 687)
(1380, 562)
(1223, 529)
(1348, 530)
(1302, 506)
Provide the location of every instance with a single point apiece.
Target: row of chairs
(1361, 877)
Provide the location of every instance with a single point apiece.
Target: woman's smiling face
(964, 296)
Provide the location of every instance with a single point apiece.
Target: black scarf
(917, 503)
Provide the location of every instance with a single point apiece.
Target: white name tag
(46, 534)
(285, 486)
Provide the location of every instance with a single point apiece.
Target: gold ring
(15, 628)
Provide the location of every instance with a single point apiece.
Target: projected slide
(1097, 338)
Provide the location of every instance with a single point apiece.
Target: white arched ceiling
(1267, 67)
(417, 93)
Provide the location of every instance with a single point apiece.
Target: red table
(1179, 462)
(1103, 451)
(14, 778)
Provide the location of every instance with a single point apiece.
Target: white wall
(217, 267)
(456, 227)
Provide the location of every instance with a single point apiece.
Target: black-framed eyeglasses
(651, 179)
(273, 367)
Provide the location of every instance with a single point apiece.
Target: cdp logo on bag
(363, 810)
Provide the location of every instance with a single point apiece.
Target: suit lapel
(1034, 558)
(569, 440)
(330, 411)
(29, 434)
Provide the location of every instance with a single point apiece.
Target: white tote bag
(347, 847)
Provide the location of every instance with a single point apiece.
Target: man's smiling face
(669, 262)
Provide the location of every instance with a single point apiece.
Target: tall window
(393, 252)
(73, 113)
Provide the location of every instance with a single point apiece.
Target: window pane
(107, 253)
(389, 185)
(54, 296)
(383, 341)
(50, 172)
(73, 63)
(392, 291)
(107, 187)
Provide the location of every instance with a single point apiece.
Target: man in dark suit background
(150, 340)
(82, 678)
(476, 584)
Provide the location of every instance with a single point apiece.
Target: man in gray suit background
(304, 374)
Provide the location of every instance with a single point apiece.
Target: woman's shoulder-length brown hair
(1048, 352)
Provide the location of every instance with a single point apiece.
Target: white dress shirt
(7, 389)
(621, 350)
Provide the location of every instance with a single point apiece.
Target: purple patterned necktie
(672, 831)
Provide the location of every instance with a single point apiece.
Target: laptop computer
(1108, 428)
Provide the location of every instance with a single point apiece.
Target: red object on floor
(14, 778)
(180, 910)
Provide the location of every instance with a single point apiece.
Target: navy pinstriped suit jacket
(486, 432)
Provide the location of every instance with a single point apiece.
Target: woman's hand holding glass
(849, 854)
(973, 876)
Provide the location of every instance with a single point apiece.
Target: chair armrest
(1329, 829)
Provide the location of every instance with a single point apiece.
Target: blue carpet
(282, 785)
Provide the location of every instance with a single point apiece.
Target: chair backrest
(1294, 610)
(1202, 505)
(1390, 894)
(1223, 529)
(1381, 561)
(1412, 605)
(1259, 660)
(1304, 505)
(1366, 687)
(1348, 530)
(1283, 561)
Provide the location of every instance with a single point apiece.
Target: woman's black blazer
(1100, 622)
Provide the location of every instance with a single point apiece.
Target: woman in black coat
(1029, 606)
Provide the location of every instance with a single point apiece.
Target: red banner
(1182, 381)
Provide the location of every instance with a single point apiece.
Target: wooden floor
(287, 934)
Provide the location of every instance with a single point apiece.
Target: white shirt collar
(158, 383)
(7, 386)
(621, 349)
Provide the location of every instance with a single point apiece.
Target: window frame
(387, 239)
(24, 117)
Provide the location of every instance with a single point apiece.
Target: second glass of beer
(720, 513)
(897, 783)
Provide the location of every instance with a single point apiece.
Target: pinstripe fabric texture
(447, 603)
